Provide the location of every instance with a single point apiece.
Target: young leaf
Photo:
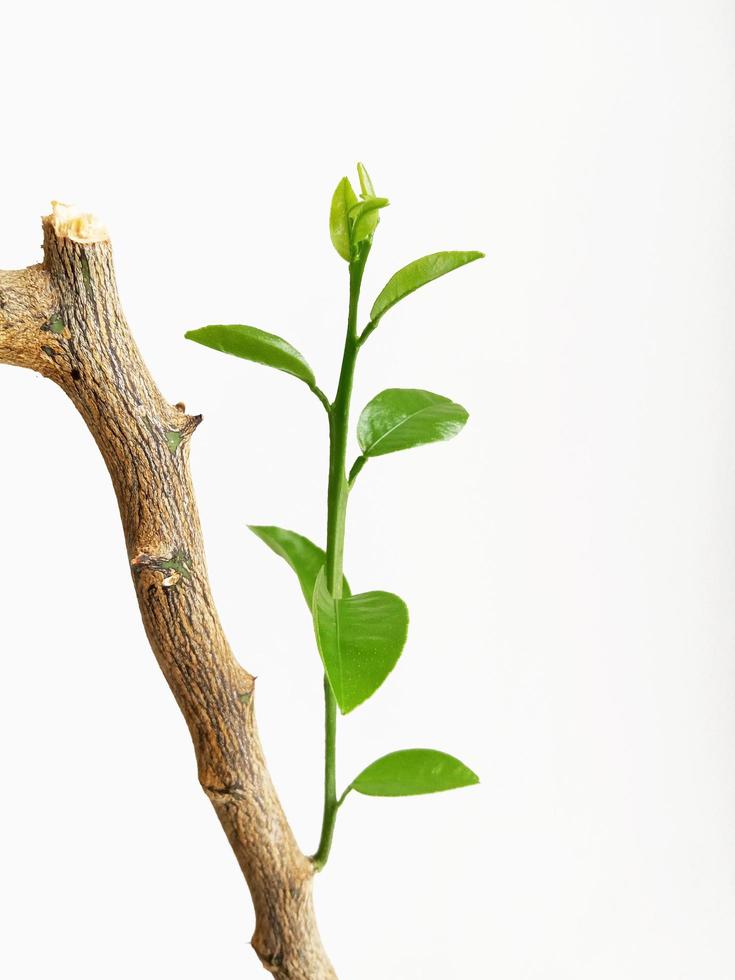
(366, 185)
(360, 639)
(304, 557)
(417, 274)
(413, 772)
(400, 418)
(254, 345)
(339, 222)
(365, 217)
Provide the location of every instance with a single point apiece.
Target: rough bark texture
(63, 319)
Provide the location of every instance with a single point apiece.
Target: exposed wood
(63, 319)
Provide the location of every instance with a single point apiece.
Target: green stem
(337, 493)
(330, 778)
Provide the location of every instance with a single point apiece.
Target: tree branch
(63, 319)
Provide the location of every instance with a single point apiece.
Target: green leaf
(416, 274)
(366, 185)
(304, 557)
(360, 639)
(400, 418)
(413, 772)
(343, 199)
(364, 216)
(254, 345)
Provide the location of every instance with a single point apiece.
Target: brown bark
(63, 319)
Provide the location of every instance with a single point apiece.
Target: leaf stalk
(367, 331)
(355, 471)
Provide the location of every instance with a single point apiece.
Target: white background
(569, 561)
